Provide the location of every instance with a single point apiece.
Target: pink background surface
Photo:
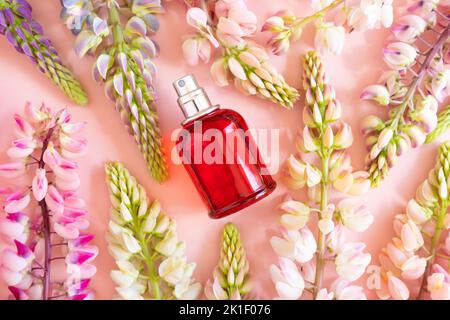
(359, 65)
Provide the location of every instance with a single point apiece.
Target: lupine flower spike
(412, 88)
(304, 256)
(415, 263)
(124, 63)
(45, 222)
(286, 27)
(231, 277)
(227, 25)
(26, 35)
(142, 239)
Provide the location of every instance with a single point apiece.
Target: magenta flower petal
(40, 184)
(24, 251)
(18, 204)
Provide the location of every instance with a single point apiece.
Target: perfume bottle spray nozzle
(192, 99)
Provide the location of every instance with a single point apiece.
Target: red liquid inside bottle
(219, 153)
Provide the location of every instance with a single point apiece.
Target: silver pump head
(192, 99)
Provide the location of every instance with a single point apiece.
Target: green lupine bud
(144, 239)
(232, 270)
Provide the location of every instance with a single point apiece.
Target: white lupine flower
(371, 14)
(330, 37)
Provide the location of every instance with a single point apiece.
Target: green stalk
(151, 270)
(301, 22)
(324, 187)
(440, 217)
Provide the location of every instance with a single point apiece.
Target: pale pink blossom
(287, 279)
(323, 294)
(411, 236)
(440, 84)
(12, 169)
(309, 141)
(336, 239)
(413, 268)
(354, 215)
(409, 27)
(378, 93)
(195, 49)
(198, 19)
(417, 213)
(344, 291)
(344, 137)
(296, 214)
(384, 138)
(239, 22)
(399, 55)
(396, 253)
(417, 135)
(298, 245)
(438, 286)
(397, 288)
(352, 262)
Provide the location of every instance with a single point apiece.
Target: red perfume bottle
(219, 153)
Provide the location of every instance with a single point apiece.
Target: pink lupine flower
(40, 184)
(351, 262)
(21, 148)
(16, 202)
(60, 217)
(12, 169)
(23, 129)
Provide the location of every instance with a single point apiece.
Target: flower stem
(433, 246)
(152, 275)
(46, 227)
(420, 75)
(114, 19)
(301, 22)
(324, 188)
